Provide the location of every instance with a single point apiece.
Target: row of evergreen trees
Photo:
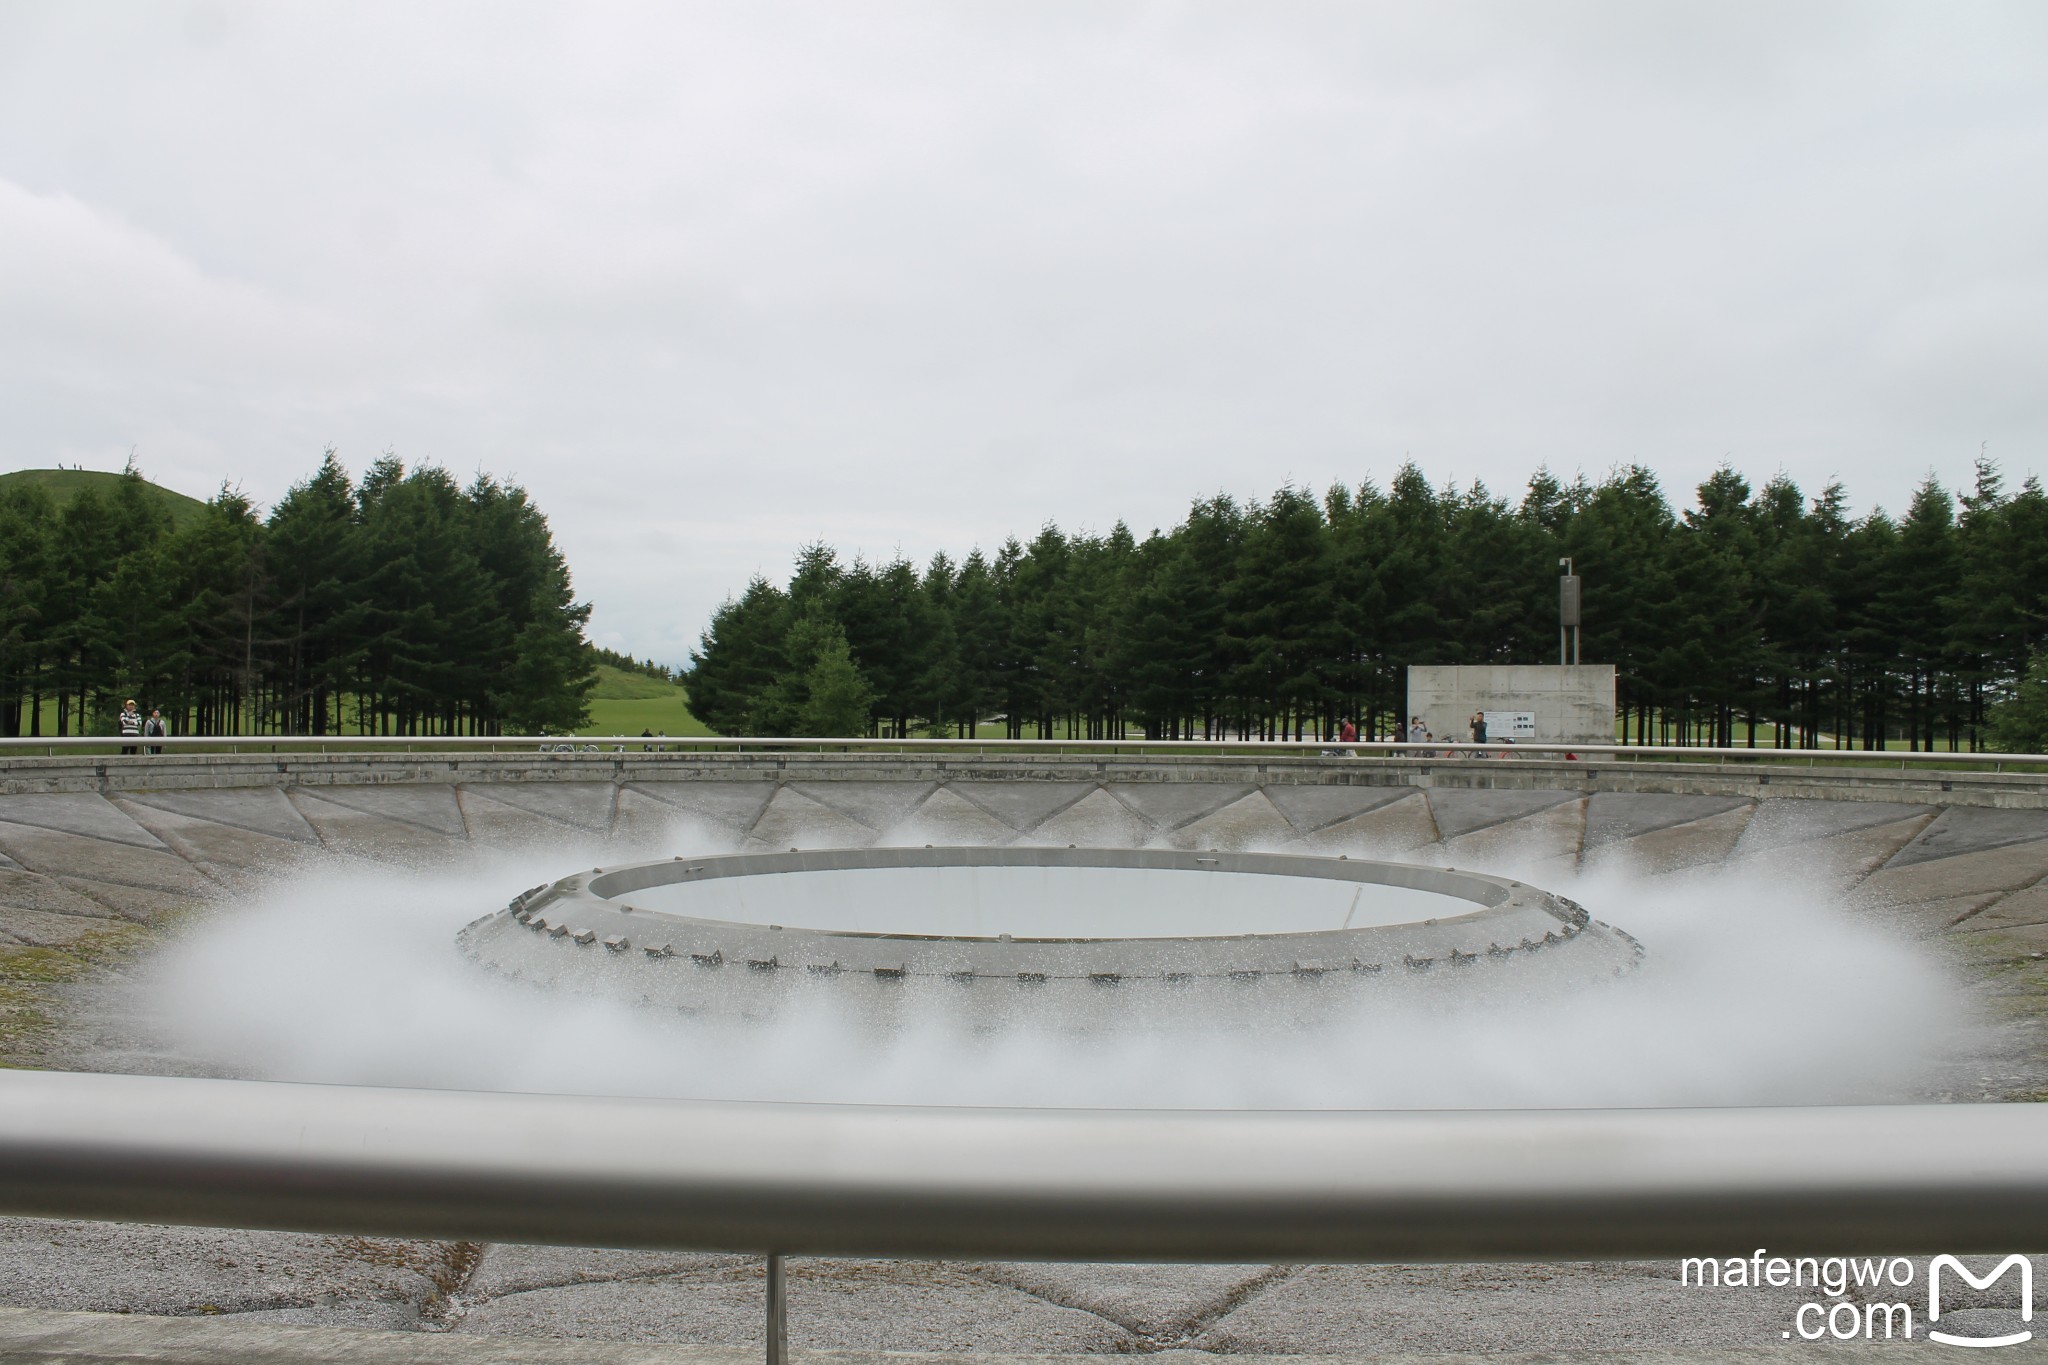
(1749, 613)
(404, 605)
(626, 663)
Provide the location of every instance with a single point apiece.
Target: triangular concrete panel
(946, 818)
(1022, 805)
(642, 821)
(221, 845)
(2006, 868)
(427, 806)
(1671, 848)
(1397, 827)
(1097, 820)
(2023, 908)
(1462, 810)
(2030, 938)
(2018, 922)
(1932, 918)
(793, 820)
(735, 805)
(364, 834)
(57, 854)
(32, 891)
(1615, 816)
(1552, 834)
(579, 805)
(86, 814)
(501, 825)
(260, 810)
(47, 929)
(1169, 805)
(1836, 861)
(1972, 829)
(1309, 809)
(1781, 822)
(1249, 823)
(878, 805)
(142, 904)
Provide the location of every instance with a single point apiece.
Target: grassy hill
(625, 703)
(64, 484)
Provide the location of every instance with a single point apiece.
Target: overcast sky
(714, 280)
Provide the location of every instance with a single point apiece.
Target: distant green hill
(625, 703)
(63, 484)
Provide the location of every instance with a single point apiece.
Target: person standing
(1349, 734)
(154, 728)
(130, 722)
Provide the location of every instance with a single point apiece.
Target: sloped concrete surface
(87, 876)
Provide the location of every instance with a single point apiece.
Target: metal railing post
(778, 1310)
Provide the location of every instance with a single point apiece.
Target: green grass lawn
(625, 703)
(64, 484)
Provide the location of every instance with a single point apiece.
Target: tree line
(1752, 615)
(626, 663)
(405, 604)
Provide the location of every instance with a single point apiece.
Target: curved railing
(1437, 750)
(857, 1180)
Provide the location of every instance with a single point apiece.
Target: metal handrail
(650, 746)
(1065, 1184)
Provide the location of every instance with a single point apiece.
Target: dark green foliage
(626, 663)
(408, 605)
(1752, 615)
(822, 691)
(62, 485)
(2019, 724)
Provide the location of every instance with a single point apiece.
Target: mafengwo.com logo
(1873, 1298)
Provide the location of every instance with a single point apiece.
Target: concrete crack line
(446, 1307)
(145, 920)
(1171, 1337)
(574, 1282)
(1237, 1298)
(1999, 899)
(1869, 872)
(995, 1277)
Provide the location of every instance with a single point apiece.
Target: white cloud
(717, 279)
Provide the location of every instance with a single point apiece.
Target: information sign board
(1510, 725)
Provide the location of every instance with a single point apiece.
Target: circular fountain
(1035, 923)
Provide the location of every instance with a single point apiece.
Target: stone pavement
(88, 879)
(93, 1339)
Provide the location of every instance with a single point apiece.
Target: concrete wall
(1574, 704)
(748, 780)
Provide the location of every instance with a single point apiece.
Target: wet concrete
(87, 879)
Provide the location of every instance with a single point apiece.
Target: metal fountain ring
(684, 931)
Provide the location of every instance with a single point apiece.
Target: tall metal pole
(1567, 613)
(778, 1311)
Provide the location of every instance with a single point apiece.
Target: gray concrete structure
(100, 857)
(594, 931)
(1572, 703)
